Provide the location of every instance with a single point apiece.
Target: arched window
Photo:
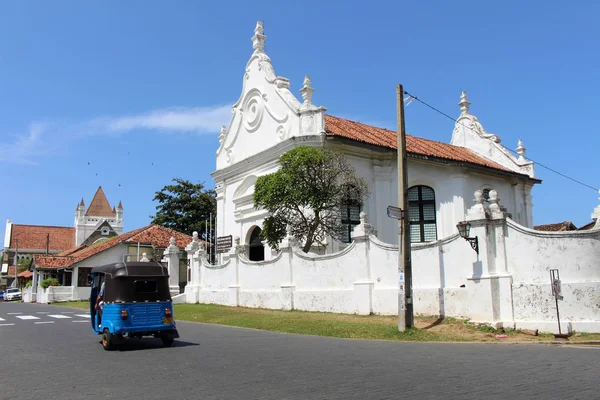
(486, 194)
(256, 251)
(421, 214)
(350, 218)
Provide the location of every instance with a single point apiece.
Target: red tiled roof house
(73, 266)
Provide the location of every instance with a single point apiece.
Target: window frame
(421, 222)
(347, 222)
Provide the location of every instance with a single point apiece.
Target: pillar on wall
(490, 286)
(363, 287)
(171, 257)
(288, 287)
(195, 250)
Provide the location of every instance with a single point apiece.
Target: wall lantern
(464, 228)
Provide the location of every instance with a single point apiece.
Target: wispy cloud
(170, 120)
(26, 147)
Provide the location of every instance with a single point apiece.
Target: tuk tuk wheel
(107, 339)
(167, 341)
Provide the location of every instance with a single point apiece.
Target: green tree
(306, 196)
(24, 264)
(184, 206)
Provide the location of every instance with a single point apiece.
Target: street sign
(556, 291)
(555, 283)
(394, 212)
(224, 243)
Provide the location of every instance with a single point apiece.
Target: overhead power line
(537, 163)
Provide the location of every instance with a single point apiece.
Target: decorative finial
(521, 150)
(479, 199)
(258, 40)
(172, 241)
(363, 217)
(222, 135)
(464, 103)
(307, 90)
(195, 236)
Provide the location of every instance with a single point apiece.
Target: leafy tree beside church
(185, 206)
(307, 196)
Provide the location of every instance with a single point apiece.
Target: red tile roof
(587, 226)
(33, 237)
(99, 207)
(156, 234)
(558, 227)
(25, 274)
(340, 127)
(71, 250)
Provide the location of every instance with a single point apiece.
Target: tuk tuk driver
(100, 301)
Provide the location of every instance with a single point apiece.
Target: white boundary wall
(506, 284)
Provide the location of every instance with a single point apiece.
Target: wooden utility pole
(405, 304)
(16, 262)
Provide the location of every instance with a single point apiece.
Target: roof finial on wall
(307, 90)
(521, 150)
(464, 103)
(258, 40)
(222, 135)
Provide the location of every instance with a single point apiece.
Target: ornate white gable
(469, 133)
(267, 112)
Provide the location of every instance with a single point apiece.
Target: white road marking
(82, 321)
(13, 313)
(6, 324)
(27, 317)
(2, 319)
(44, 322)
(82, 315)
(58, 316)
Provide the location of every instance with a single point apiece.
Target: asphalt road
(50, 352)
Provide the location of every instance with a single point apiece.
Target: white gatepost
(490, 286)
(171, 257)
(288, 287)
(195, 250)
(234, 287)
(502, 278)
(363, 288)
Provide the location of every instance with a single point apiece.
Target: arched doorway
(256, 250)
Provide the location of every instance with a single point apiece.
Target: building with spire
(95, 223)
(268, 120)
(99, 221)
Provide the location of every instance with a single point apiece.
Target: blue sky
(138, 89)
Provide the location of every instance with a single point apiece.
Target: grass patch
(427, 329)
(74, 304)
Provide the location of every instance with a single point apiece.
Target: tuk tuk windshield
(138, 289)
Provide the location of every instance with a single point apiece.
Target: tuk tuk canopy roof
(137, 268)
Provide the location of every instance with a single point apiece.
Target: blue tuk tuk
(136, 302)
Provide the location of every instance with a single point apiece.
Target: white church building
(501, 279)
(268, 120)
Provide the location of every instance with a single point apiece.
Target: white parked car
(13, 294)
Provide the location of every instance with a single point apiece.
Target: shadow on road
(148, 344)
